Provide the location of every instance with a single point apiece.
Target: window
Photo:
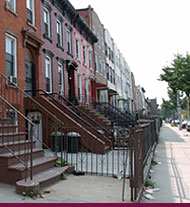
(107, 71)
(99, 45)
(113, 77)
(11, 60)
(106, 49)
(96, 62)
(84, 54)
(47, 22)
(61, 79)
(100, 64)
(78, 49)
(79, 88)
(104, 69)
(11, 4)
(48, 74)
(110, 73)
(103, 49)
(86, 90)
(69, 41)
(90, 58)
(30, 12)
(59, 34)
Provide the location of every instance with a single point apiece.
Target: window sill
(33, 26)
(11, 11)
(60, 47)
(48, 38)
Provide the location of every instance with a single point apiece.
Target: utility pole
(179, 110)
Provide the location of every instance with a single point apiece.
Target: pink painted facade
(59, 53)
(83, 56)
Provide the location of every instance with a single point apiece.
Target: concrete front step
(43, 179)
(12, 136)
(7, 129)
(10, 159)
(15, 145)
(39, 164)
(4, 121)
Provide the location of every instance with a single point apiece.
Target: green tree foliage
(178, 76)
(168, 109)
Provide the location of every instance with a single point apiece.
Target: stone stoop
(14, 172)
(42, 179)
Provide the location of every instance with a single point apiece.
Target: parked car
(183, 124)
(188, 126)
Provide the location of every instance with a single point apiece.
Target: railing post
(31, 152)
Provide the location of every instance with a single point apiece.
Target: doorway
(30, 77)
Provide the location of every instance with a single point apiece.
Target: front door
(30, 80)
(71, 81)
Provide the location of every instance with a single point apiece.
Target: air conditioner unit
(12, 80)
(9, 5)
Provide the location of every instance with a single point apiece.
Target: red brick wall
(15, 22)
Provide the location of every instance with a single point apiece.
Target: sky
(148, 33)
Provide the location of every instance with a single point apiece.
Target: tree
(168, 109)
(178, 75)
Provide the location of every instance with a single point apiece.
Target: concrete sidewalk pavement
(75, 189)
(172, 174)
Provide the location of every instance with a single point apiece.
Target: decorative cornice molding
(48, 52)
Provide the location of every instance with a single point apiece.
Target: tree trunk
(189, 107)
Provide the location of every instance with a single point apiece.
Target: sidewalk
(172, 173)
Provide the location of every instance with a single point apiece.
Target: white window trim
(49, 25)
(80, 87)
(33, 13)
(15, 52)
(84, 52)
(51, 84)
(69, 39)
(79, 47)
(60, 67)
(61, 32)
(86, 89)
(100, 63)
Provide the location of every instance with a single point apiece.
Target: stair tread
(22, 152)
(36, 162)
(16, 142)
(12, 133)
(44, 176)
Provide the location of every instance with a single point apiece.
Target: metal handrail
(31, 138)
(75, 114)
(120, 116)
(82, 112)
(38, 104)
(10, 105)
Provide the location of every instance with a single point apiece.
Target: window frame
(14, 69)
(84, 51)
(32, 10)
(48, 33)
(86, 90)
(78, 55)
(69, 41)
(90, 58)
(79, 80)
(100, 64)
(61, 68)
(48, 58)
(58, 22)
